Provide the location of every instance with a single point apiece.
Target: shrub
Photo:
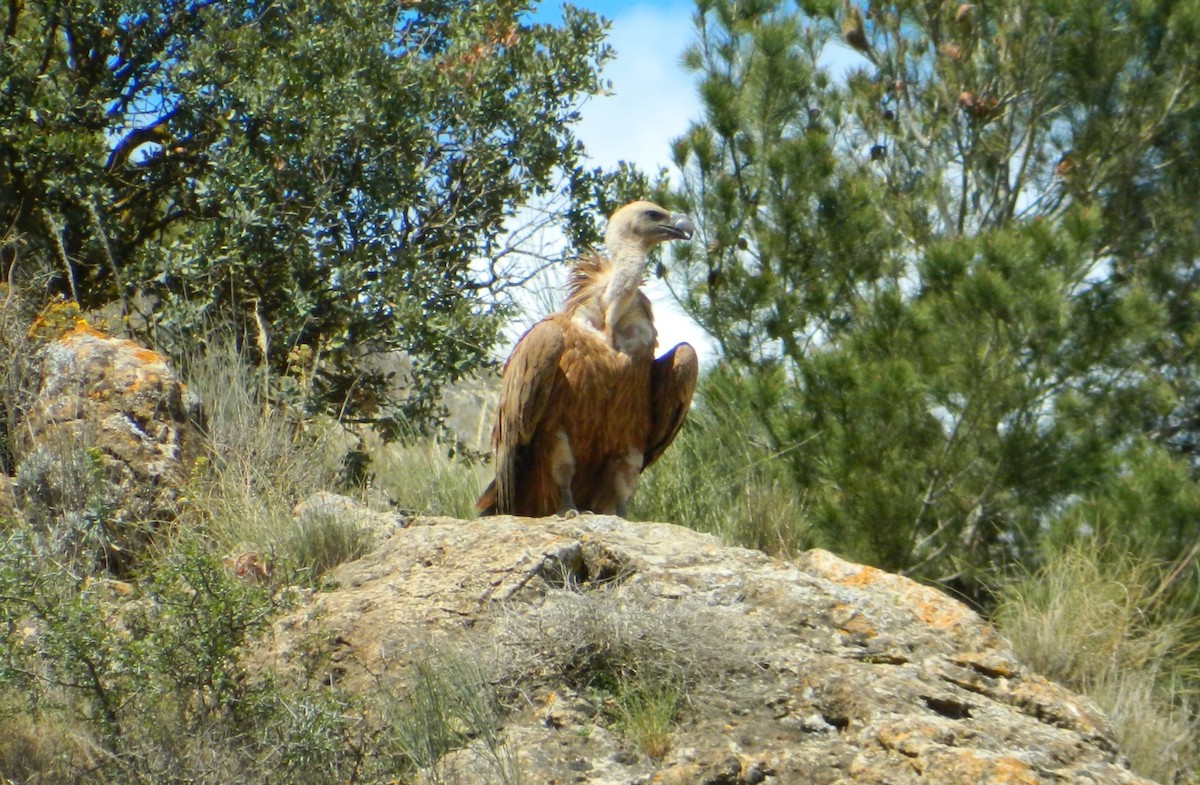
(132, 672)
(65, 491)
(104, 681)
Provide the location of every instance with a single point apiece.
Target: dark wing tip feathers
(672, 382)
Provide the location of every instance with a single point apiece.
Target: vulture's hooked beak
(680, 227)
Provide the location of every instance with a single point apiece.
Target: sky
(653, 101)
(648, 84)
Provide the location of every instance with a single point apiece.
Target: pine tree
(952, 247)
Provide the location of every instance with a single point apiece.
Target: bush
(65, 491)
(134, 677)
(103, 681)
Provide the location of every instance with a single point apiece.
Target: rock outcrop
(812, 671)
(107, 444)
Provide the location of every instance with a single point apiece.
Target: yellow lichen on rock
(60, 318)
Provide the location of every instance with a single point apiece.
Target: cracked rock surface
(810, 671)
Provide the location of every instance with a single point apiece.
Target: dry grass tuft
(427, 478)
(720, 476)
(1089, 620)
(18, 375)
(639, 659)
(452, 706)
(261, 461)
(645, 714)
(44, 748)
(600, 636)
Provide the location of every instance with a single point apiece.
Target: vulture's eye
(655, 215)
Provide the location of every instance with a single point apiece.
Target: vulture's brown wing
(672, 381)
(525, 388)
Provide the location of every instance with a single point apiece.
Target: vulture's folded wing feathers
(528, 380)
(672, 381)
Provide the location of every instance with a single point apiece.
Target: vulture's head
(641, 225)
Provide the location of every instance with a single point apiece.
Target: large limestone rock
(107, 445)
(813, 671)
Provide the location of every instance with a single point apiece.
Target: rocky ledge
(810, 671)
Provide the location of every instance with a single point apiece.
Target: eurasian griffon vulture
(584, 406)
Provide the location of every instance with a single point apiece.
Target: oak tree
(333, 181)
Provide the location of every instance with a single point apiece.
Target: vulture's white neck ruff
(628, 271)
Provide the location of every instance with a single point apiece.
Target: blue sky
(653, 100)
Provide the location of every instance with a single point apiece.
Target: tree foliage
(950, 247)
(332, 179)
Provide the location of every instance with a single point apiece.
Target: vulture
(584, 405)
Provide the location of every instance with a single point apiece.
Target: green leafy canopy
(329, 179)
